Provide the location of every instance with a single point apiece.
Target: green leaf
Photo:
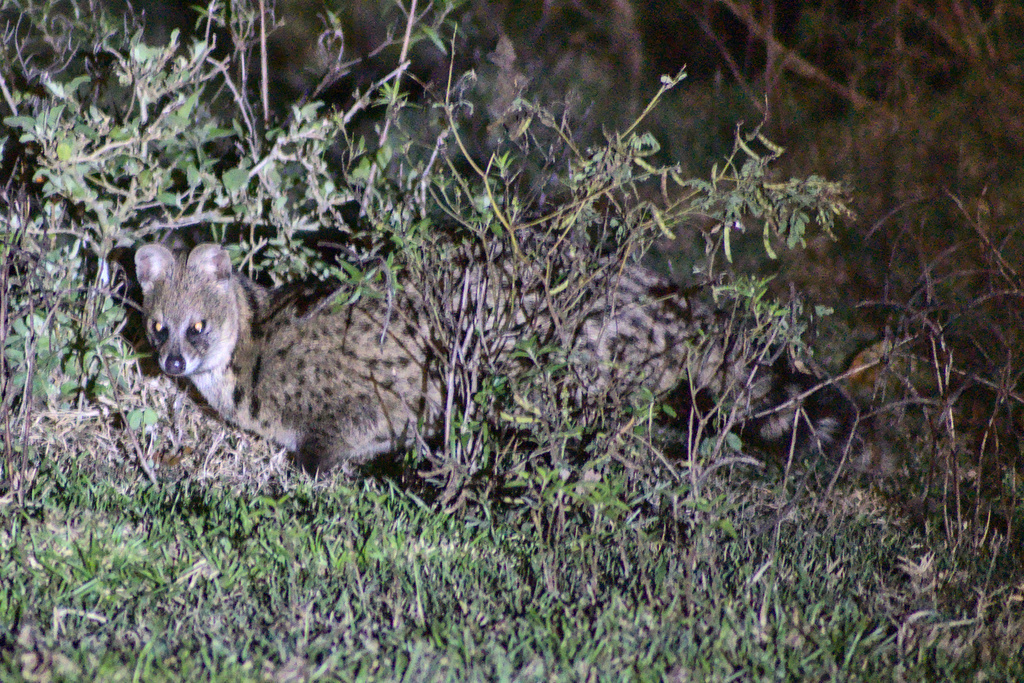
(726, 526)
(144, 54)
(236, 179)
(733, 441)
(56, 89)
(436, 39)
(76, 82)
(362, 169)
(216, 133)
(192, 175)
(23, 122)
(86, 131)
(183, 116)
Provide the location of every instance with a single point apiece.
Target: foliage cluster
(913, 104)
(142, 145)
(939, 285)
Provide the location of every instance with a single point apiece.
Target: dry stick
(372, 177)
(264, 89)
(7, 96)
(1004, 95)
(140, 454)
(881, 221)
(817, 387)
(26, 409)
(222, 68)
(6, 390)
(484, 175)
(473, 307)
(456, 352)
(964, 374)
(792, 61)
(730, 61)
(1006, 270)
(8, 395)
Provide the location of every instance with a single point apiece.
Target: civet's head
(190, 305)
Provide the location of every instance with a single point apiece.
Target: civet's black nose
(174, 365)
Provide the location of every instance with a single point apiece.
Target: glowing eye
(159, 334)
(198, 327)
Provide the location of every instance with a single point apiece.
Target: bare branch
(790, 60)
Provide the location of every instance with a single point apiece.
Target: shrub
(128, 142)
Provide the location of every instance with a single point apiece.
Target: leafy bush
(161, 141)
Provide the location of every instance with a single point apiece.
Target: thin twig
(264, 72)
(793, 62)
(372, 177)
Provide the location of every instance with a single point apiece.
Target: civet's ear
(153, 263)
(211, 259)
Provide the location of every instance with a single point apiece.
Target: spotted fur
(342, 384)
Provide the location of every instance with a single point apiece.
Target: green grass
(364, 582)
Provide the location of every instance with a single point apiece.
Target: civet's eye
(197, 327)
(159, 332)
